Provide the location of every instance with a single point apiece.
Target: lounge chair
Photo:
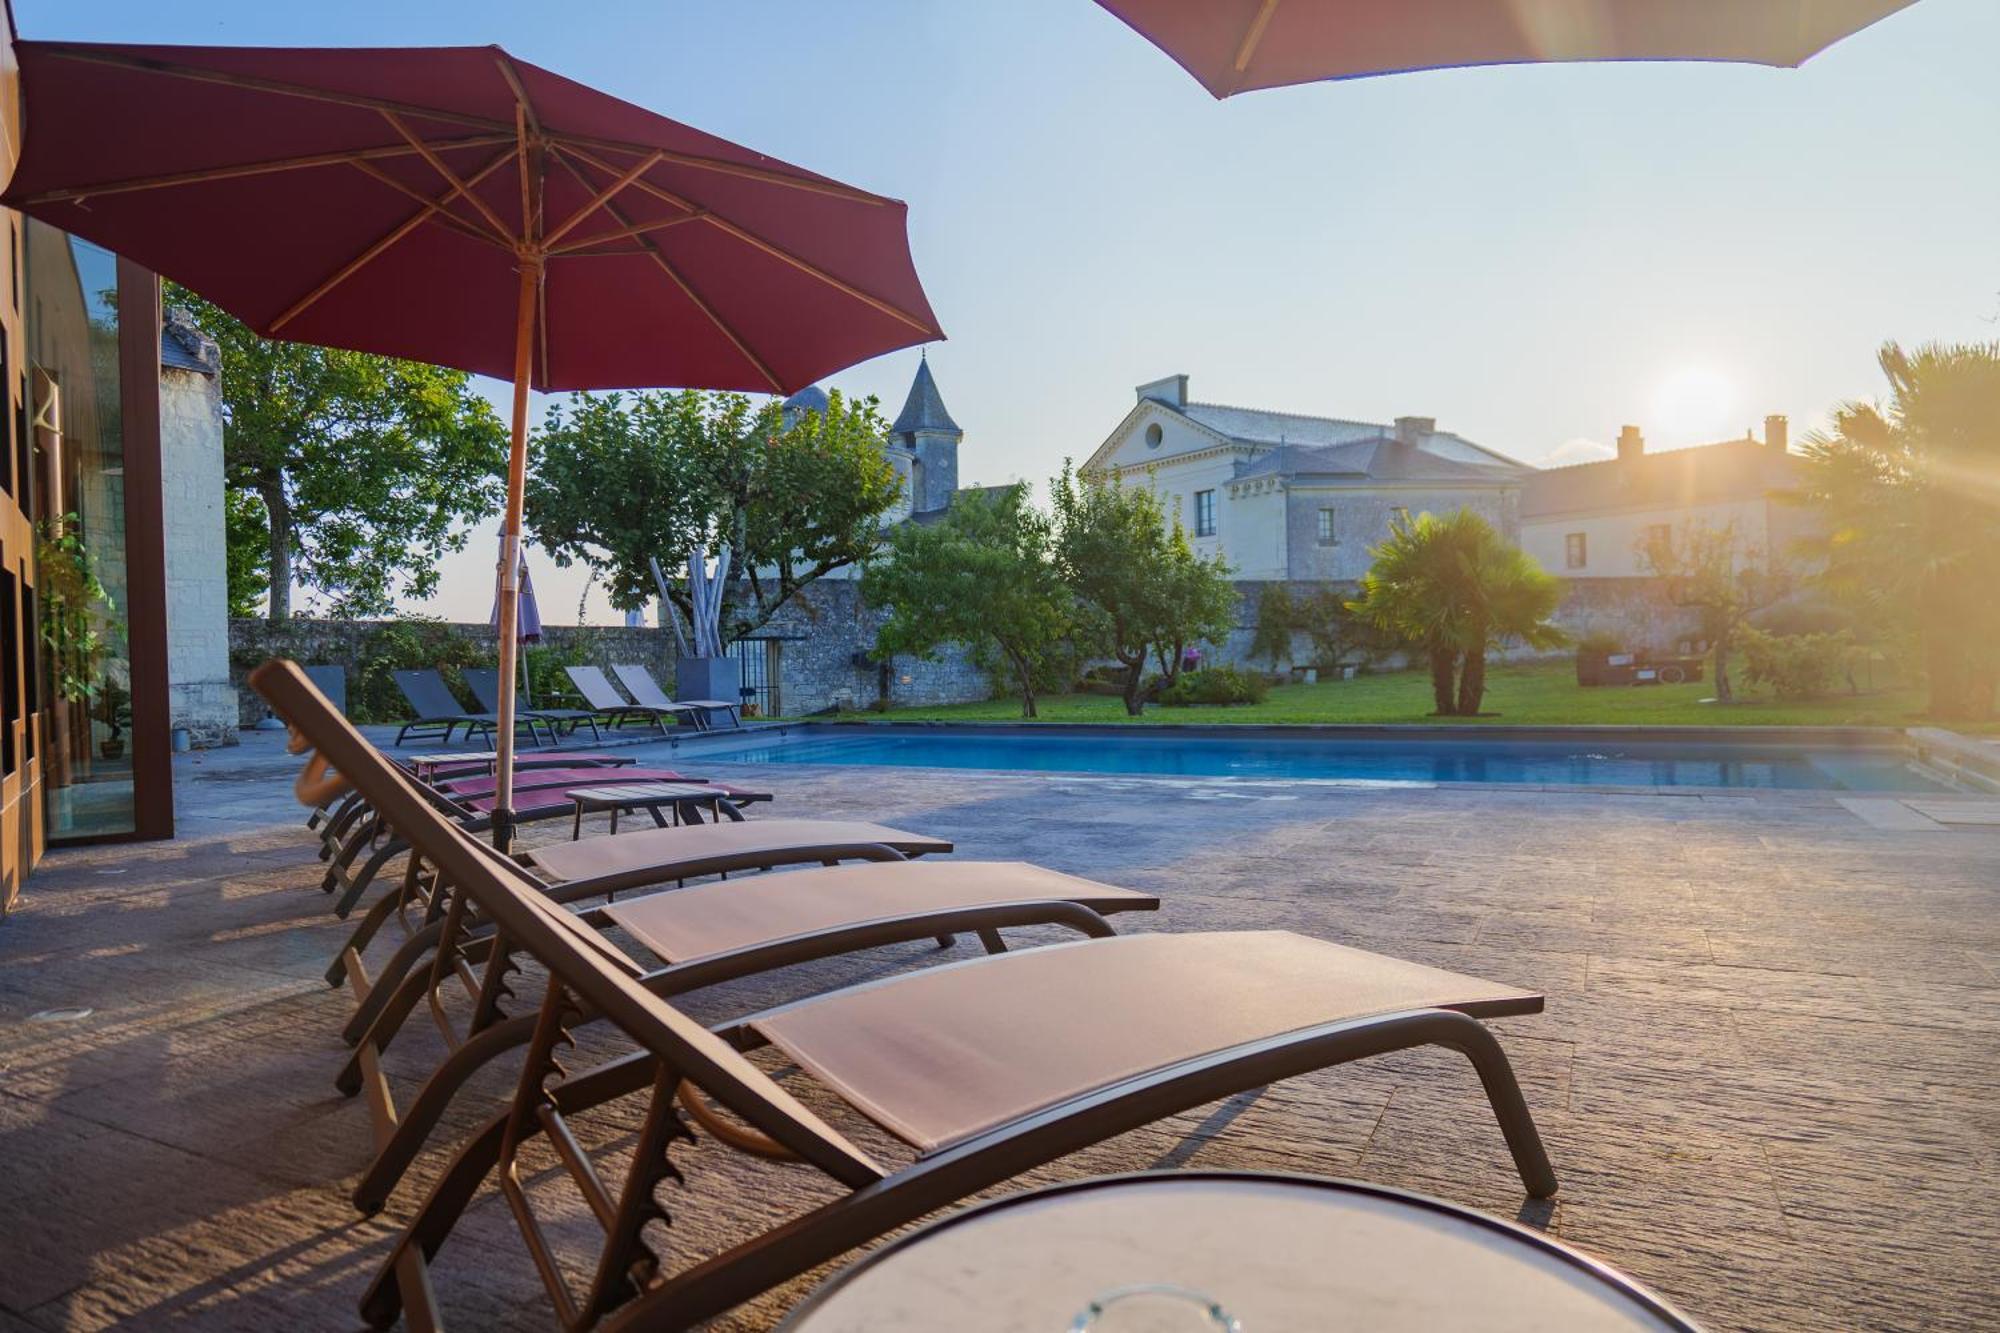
(985, 1068)
(598, 691)
(439, 713)
(484, 682)
(639, 683)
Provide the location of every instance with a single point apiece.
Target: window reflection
(72, 333)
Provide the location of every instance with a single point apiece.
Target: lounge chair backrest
(427, 694)
(596, 688)
(332, 682)
(573, 953)
(639, 682)
(484, 682)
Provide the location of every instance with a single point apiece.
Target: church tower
(927, 434)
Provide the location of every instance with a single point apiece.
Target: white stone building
(1591, 521)
(200, 696)
(1281, 495)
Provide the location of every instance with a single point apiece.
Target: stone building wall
(826, 658)
(200, 696)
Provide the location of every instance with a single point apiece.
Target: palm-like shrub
(1451, 589)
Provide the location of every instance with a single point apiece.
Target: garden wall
(826, 657)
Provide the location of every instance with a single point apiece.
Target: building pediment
(1153, 435)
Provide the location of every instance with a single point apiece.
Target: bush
(1216, 685)
(1796, 666)
(400, 645)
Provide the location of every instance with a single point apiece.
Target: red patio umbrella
(1235, 46)
(458, 206)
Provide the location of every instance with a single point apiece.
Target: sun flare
(1694, 403)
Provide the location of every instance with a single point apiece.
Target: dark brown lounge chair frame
(678, 1061)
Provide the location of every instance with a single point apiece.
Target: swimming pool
(1587, 760)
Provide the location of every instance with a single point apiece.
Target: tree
(1451, 588)
(348, 473)
(622, 480)
(1136, 581)
(1913, 506)
(983, 575)
(1724, 578)
(1277, 619)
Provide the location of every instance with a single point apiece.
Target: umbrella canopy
(458, 206)
(1235, 46)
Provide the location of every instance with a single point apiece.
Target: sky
(1534, 256)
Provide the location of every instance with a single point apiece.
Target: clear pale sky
(1532, 255)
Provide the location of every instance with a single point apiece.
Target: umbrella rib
(721, 166)
(409, 224)
(1254, 35)
(451, 177)
(758, 242)
(444, 216)
(356, 156)
(665, 266)
(89, 56)
(596, 239)
(599, 200)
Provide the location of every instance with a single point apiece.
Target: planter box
(708, 678)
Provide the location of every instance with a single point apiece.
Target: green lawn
(1540, 694)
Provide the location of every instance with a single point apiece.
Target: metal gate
(757, 661)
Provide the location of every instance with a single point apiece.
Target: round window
(1153, 436)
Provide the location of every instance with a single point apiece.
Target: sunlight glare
(1695, 404)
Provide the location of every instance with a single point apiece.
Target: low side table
(1253, 1252)
(647, 796)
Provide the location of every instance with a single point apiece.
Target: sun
(1692, 403)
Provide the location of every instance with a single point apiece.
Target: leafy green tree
(1277, 620)
(1724, 578)
(1137, 582)
(983, 575)
(623, 480)
(1452, 588)
(1911, 491)
(366, 469)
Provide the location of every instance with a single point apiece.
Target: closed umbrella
(527, 620)
(459, 206)
(1236, 46)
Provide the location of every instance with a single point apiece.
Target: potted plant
(74, 605)
(114, 710)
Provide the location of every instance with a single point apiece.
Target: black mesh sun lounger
(439, 713)
(981, 1068)
(484, 682)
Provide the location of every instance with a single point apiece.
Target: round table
(647, 796)
(1275, 1253)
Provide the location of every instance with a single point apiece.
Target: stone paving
(1769, 1074)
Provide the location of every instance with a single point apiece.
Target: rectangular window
(1574, 551)
(1326, 527)
(1204, 513)
(1660, 537)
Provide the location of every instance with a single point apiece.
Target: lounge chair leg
(1531, 1159)
(406, 958)
(390, 850)
(991, 939)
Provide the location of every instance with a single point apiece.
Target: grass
(1532, 694)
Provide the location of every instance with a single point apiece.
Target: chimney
(1172, 391)
(1778, 433)
(1631, 444)
(1414, 430)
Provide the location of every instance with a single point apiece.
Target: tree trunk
(281, 551)
(1134, 671)
(1722, 692)
(1025, 678)
(1443, 662)
(1472, 683)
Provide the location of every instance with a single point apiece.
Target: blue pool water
(1587, 761)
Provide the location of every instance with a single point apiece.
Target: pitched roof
(185, 347)
(812, 398)
(1704, 474)
(1383, 458)
(1261, 427)
(924, 408)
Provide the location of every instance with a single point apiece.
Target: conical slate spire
(924, 410)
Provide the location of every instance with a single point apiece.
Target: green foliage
(247, 525)
(1277, 619)
(75, 608)
(401, 645)
(984, 576)
(623, 479)
(1139, 586)
(1911, 493)
(366, 468)
(543, 668)
(1340, 636)
(1451, 588)
(1723, 577)
(1215, 685)
(1797, 666)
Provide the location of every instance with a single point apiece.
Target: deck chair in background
(598, 691)
(484, 682)
(639, 683)
(439, 713)
(982, 1068)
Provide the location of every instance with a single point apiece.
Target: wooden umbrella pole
(510, 549)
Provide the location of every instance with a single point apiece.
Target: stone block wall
(199, 694)
(826, 657)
